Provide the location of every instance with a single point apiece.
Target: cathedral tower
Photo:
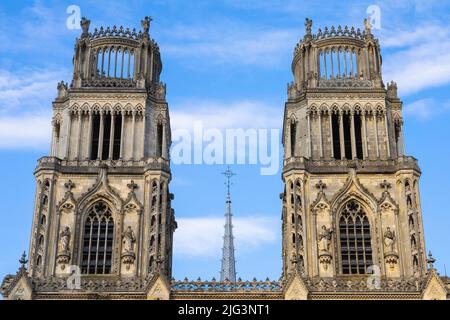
(351, 205)
(103, 206)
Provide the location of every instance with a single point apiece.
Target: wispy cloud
(215, 114)
(427, 108)
(25, 107)
(202, 236)
(25, 132)
(229, 43)
(419, 58)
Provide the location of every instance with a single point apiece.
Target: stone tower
(102, 205)
(351, 204)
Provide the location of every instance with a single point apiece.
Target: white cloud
(420, 57)
(233, 44)
(26, 132)
(214, 114)
(425, 109)
(25, 107)
(202, 237)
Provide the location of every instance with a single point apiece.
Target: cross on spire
(228, 174)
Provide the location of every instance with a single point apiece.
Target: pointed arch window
(355, 239)
(98, 240)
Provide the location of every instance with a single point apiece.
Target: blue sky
(225, 62)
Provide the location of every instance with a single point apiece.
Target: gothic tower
(351, 203)
(102, 206)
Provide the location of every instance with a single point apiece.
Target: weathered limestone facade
(351, 215)
(351, 204)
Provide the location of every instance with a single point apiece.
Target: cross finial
(69, 185)
(385, 185)
(23, 261)
(320, 185)
(431, 260)
(229, 174)
(132, 186)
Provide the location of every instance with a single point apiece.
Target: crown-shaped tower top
(336, 57)
(116, 57)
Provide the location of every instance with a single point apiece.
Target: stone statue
(367, 25)
(64, 237)
(389, 239)
(308, 24)
(85, 23)
(128, 240)
(325, 239)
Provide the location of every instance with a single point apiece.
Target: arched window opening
(44, 200)
(321, 65)
(117, 135)
(293, 138)
(41, 240)
(43, 220)
(293, 238)
(409, 201)
(358, 136)
(153, 221)
(411, 221)
(413, 242)
(415, 262)
(347, 136)
(355, 239)
(39, 260)
(336, 142)
(95, 136)
(152, 262)
(160, 140)
(98, 240)
(152, 241)
(100, 63)
(106, 135)
(292, 218)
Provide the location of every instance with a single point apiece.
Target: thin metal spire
(228, 269)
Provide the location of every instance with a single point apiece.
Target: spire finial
(23, 261)
(431, 260)
(228, 174)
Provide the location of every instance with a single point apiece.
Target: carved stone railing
(56, 163)
(342, 166)
(107, 82)
(226, 286)
(54, 284)
(345, 83)
(364, 284)
(116, 32)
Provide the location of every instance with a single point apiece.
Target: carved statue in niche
(63, 256)
(64, 238)
(389, 239)
(325, 236)
(128, 240)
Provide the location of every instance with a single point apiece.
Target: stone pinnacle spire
(228, 270)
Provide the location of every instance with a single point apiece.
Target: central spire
(228, 270)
